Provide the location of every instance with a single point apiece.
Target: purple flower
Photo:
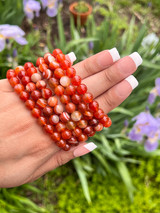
(154, 92)
(52, 7)
(91, 45)
(15, 53)
(31, 6)
(11, 32)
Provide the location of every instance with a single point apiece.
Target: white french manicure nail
(132, 81)
(136, 58)
(72, 56)
(83, 150)
(115, 54)
(90, 146)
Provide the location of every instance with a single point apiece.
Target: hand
(27, 152)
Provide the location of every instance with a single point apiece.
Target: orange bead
(70, 125)
(41, 103)
(59, 90)
(66, 134)
(76, 99)
(10, 73)
(58, 73)
(36, 112)
(54, 119)
(60, 57)
(87, 97)
(48, 57)
(24, 96)
(52, 101)
(46, 93)
(65, 64)
(99, 127)
(76, 80)
(18, 69)
(61, 143)
(13, 81)
(30, 87)
(53, 65)
(70, 90)
(65, 99)
(70, 107)
(39, 61)
(42, 120)
(82, 89)
(56, 52)
(30, 104)
(41, 84)
(67, 147)
(25, 80)
(47, 111)
(82, 124)
(28, 65)
(60, 127)
(82, 138)
(42, 67)
(99, 114)
(70, 72)
(19, 88)
(21, 74)
(56, 136)
(49, 128)
(77, 132)
(53, 82)
(30, 71)
(36, 94)
(94, 106)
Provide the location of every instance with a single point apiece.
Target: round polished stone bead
(49, 128)
(28, 65)
(70, 125)
(91, 134)
(70, 72)
(53, 82)
(47, 111)
(41, 84)
(18, 69)
(59, 90)
(65, 64)
(30, 87)
(76, 80)
(56, 136)
(18, 88)
(39, 61)
(47, 58)
(67, 147)
(60, 127)
(88, 130)
(24, 96)
(61, 143)
(87, 97)
(66, 134)
(30, 104)
(65, 99)
(99, 127)
(10, 73)
(82, 107)
(106, 121)
(88, 115)
(93, 122)
(77, 132)
(54, 65)
(82, 138)
(36, 112)
(13, 81)
(64, 117)
(70, 107)
(58, 109)
(82, 89)
(76, 99)
(54, 119)
(70, 90)
(36, 94)
(73, 141)
(76, 116)
(82, 124)
(56, 52)
(21, 74)
(46, 93)
(99, 114)
(36, 77)
(58, 73)
(60, 57)
(52, 101)
(41, 103)
(43, 67)
(47, 74)
(65, 81)
(42, 120)
(25, 80)
(94, 106)
(30, 71)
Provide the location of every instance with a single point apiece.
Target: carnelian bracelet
(57, 98)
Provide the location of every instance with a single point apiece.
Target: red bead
(21, 74)
(30, 71)
(46, 93)
(70, 107)
(54, 119)
(56, 52)
(76, 80)
(70, 90)
(47, 111)
(77, 132)
(59, 90)
(82, 107)
(10, 73)
(91, 134)
(25, 80)
(65, 64)
(99, 114)
(24, 96)
(28, 65)
(53, 82)
(43, 67)
(70, 125)
(56, 136)
(18, 69)
(48, 57)
(82, 89)
(52, 101)
(47, 74)
(19, 88)
(88, 115)
(82, 124)
(93, 122)
(13, 81)
(58, 109)
(64, 117)
(66, 134)
(30, 87)
(64, 99)
(39, 61)
(67, 147)
(99, 127)
(94, 106)
(61, 143)
(41, 84)
(36, 112)
(73, 141)
(49, 128)
(82, 138)
(60, 57)
(70, 72)
(88, 130)
(42, 120)
(30, 104)
(53, 65)
(106, 121)
(58, 73)
(60, 127)
(76, 116)
(41, 103)
(36, 94)
(87, 97)
(76, 99)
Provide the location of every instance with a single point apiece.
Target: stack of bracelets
(60, 102)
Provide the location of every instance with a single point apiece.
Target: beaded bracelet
(57, 98)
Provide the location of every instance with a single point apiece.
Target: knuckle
(108, 77)
(59, 160)
(108, 100)
(88, 67)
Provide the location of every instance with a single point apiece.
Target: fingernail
(115, 54)
(136, 58)
(72, 56)
(132, 81)
(89, 147)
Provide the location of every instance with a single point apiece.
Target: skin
(27, 152)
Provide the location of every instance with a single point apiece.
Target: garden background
(122, 174)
